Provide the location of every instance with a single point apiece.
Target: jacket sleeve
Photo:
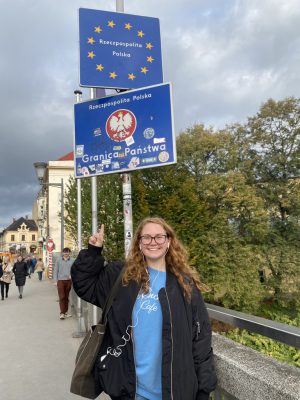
(202, 350)
(92, 277)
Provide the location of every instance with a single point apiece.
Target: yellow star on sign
(111, 24)
(91, 40)
(141, 33)
(150, 59)
(128, 26)
(91, 54)
(98, 29)
(149, 46)
(131, 76)
(99, 67)
(144, 70)
(113, 75)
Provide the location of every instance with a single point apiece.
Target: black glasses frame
(145, 237)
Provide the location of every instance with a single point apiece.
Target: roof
(30, 223)
(67, 157)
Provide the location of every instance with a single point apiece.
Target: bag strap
(111, 297)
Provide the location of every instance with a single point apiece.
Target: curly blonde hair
(176, 261)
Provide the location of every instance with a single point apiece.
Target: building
(47, 206)
(21, 236)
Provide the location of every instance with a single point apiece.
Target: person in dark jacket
(158, 339)
(1, 270)
(20, 271)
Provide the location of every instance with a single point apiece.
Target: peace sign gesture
(98, 238)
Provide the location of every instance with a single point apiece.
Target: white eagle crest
(120, 125)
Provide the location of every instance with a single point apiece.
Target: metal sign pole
(81, 329)
(95, 312)
(120, 5)
(126, 185)
(127, 210)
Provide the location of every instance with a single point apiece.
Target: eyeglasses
(159, 239)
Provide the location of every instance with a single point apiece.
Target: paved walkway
(37, 350)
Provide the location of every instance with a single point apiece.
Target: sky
(224, 58)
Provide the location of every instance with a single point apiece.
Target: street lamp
(40, 168)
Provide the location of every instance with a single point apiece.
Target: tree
(110, 212)
(274, 134)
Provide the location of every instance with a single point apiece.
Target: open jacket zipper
(172, 347)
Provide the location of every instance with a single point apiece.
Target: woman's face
(154, 242)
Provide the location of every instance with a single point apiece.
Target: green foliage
(110, 212)
(270, 347)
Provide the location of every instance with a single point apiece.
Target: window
(12, 238)
(33, 238)
(23, 238)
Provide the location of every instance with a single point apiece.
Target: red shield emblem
(120, 125)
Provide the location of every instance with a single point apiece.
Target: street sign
(50, 245)
(125, 132)
(118, 50)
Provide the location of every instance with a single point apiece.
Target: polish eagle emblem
(120, 125)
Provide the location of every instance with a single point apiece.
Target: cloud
(224, 59)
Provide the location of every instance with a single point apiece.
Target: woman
(39, 268)
(158, 341)
(5, 279)
(20, 271)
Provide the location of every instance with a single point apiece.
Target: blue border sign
(125, 132)
(118, 50)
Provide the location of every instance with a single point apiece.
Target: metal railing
(284, 333)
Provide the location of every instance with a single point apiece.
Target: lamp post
(40, 168)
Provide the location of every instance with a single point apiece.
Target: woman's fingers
(101, 230)
(97, 238)
(92, 240)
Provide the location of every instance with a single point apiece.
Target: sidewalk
(36, 347)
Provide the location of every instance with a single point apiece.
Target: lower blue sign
(125, 132)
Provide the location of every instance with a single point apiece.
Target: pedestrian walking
(62, 278)
(6, 277)
(33, 263)
(157, 343)
(40, 268)
(1, 270)
(29, 266)
(20, 271)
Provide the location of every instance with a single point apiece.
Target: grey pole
(126, 185)
(95, 317)
(120, 5)
(127, 211)
(62, 245)
(81, 328)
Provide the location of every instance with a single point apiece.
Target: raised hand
(98, 238)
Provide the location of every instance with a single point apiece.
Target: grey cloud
(224, 59)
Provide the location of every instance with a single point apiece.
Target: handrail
(284, 333)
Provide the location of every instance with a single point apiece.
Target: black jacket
(187, 359)
(20, 271)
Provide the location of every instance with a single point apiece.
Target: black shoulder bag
(83, 381)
